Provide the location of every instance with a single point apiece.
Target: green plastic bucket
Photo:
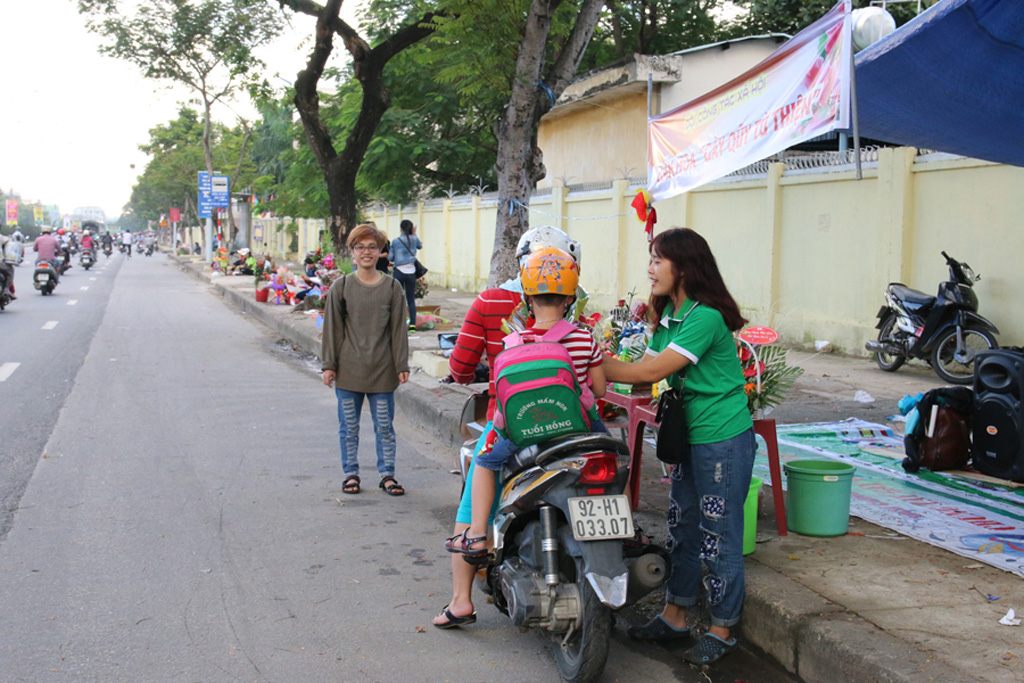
(750, 517)
(818, 497)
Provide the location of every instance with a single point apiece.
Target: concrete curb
(807, 634)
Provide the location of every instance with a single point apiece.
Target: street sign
(214, 192)
(175, 215)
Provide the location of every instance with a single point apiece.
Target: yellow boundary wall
(806, 252)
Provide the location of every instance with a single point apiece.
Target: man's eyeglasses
(360, 248)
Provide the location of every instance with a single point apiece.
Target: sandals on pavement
(351, 484)
(395, 489)
(454, 621)
(463, 544)
(658, 630)
(709, 650)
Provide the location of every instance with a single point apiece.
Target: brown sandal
(351, 484)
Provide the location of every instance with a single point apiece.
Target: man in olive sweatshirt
(366, 355)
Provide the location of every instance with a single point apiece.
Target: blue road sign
(214, 192)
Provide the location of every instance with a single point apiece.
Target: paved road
(182, 516)
(43, 342)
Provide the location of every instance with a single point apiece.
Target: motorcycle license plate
(597, 518)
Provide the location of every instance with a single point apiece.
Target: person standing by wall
(403, 255)
(366, 356)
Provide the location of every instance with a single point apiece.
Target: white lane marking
(92, 279)
(72, 302)
(7, 369)
(50, 325)
(84, 289)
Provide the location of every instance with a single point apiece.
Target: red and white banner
(800, 91)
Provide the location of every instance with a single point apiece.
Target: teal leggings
(465, 513)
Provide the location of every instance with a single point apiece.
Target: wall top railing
(830, 161)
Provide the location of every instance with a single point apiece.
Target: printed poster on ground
(799, 92)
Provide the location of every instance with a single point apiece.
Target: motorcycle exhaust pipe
(884, 347)
(549, 545)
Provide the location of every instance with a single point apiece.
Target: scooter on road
(562, 560)
(87, 259)
(944, 330)
(45, 277)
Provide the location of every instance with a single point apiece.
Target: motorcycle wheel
(944, 362)
(582, 659)
(886, 361)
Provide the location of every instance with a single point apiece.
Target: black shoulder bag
(673, 435)
(421, 269)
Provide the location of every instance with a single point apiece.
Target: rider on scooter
(47, 247)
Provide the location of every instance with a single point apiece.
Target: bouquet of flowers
(767, 375)
(421, 288)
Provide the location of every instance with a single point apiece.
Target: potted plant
(261, 292)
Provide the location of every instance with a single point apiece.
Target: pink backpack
(539, 397)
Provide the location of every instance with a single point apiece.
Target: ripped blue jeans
(382, 410)
(705, 524)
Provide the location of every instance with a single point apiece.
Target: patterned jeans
(382, 410)
(705, 523)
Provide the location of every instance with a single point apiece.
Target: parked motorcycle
(45, 277)
(86, 260)
(945, 330)
(560, 561)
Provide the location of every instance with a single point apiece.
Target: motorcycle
(45, 277)
(63, 262)
(107, 250)
(560, 561)
(5, 298)
(86, 260)
(945, 330)
(150, 249)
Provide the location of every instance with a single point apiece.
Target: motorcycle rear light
(600, 468)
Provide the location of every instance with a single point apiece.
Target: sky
(72, 119)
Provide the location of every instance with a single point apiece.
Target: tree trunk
(520, 162)
(340, 170)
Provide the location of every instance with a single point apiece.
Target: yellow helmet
(549, 271)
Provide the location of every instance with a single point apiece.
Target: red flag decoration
(645, 213)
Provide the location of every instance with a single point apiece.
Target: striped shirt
(582, 347)
(480, 336)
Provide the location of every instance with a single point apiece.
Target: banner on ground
(800, 91)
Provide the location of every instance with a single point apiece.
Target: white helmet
(547, 236)
(46, 229)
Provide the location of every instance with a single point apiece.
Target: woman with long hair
(694, 317)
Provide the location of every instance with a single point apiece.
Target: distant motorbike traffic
(944, 330)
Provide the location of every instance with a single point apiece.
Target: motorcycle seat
(555, 449)
(910, 296)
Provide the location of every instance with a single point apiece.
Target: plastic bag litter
(1009, 619)
(863, 397)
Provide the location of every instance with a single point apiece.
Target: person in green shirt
(694, 317)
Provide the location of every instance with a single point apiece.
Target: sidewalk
(870, 607)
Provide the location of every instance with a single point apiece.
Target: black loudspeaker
(998, 420)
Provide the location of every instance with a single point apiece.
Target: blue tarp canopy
(950, 80)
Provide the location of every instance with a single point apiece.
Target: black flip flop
(454, 621)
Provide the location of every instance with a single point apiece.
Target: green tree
(340, 168)
(529, 51)
(790, 16)
(206, 45)
(650, 27)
